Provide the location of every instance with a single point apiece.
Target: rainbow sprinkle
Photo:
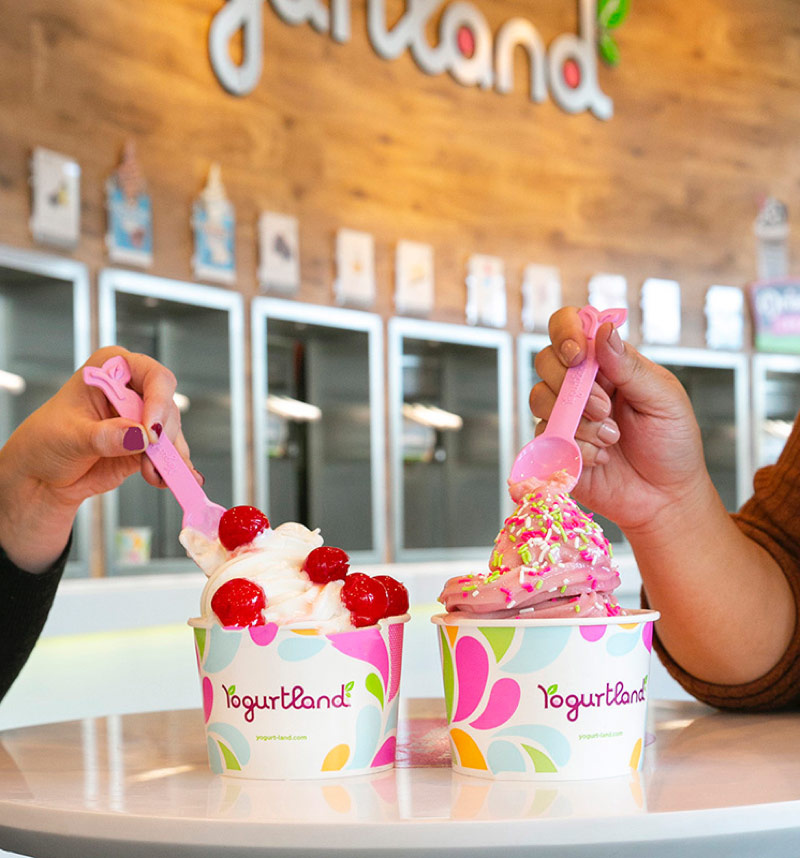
(540, 529)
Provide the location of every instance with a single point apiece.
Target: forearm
(35, 525)
(705, 576)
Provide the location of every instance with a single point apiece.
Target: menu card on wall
(56, 182)
(724, 312)
(355, 268)
(214, 223)
(661, 311)
(776, 315)
(541, 295)
(414, 278)
(486, 291)
(129, 238)
(771, 228)
(279, 252)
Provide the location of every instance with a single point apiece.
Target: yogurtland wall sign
(466, 49)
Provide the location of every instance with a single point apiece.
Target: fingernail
(202, 478)
(158, 429)
(569, 351)
(615, 341)
(608, 432)
(133, 440)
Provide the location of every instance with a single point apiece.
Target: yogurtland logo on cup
(295, 697)
(574, 703)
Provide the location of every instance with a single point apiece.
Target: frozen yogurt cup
(299, 658)
(547, 699)
(282, 702)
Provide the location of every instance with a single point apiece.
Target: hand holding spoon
(555, 451)
(198, 511)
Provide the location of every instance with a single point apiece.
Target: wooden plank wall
(707, 121)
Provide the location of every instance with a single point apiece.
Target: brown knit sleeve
(772, 519)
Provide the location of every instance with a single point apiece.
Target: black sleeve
(25, 602)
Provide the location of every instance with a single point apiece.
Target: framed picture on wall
(541, 295)
(56, 182)
(279, 252)
(486, 291)
(355, 268)
(129, 237)
(214, 224)
(414, 278)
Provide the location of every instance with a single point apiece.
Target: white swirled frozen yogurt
(258, 575)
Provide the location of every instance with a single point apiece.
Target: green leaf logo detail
(499, 640)
(375, 686)
(541, 762)
(200, 639)
(609, 50)
(552, 690)
(230, 758)
(447, 673)
(231, 690)
(348, 688)
(610, 14)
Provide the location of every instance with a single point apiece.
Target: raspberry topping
(397, 593)
(365, 598)
(240, 525)
(239, 603)
(326, 563)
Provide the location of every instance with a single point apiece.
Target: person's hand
(73, 447)
(641, 446)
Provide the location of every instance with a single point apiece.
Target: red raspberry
(365, 598)
(326, 563)
(239, 603)
(398, 595)
(240, 525)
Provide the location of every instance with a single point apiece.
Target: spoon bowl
(549, 458)
(554, 456)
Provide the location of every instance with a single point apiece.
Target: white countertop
(720, 783)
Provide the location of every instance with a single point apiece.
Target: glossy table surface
(132, 785)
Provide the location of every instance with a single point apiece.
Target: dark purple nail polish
(158, 429)
(133, 439)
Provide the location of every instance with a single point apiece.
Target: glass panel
(36, 343)
(781, 400)
(450, 445)
(320, 461)
(612, 532)
(712, 391)
(193, 341)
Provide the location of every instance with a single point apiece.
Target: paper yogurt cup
(554, 699)
(285, 702)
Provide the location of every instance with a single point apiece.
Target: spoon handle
(579, 379)
(198, 511)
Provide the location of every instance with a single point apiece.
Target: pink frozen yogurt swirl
(549, 560)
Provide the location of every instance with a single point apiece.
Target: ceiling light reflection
(12, 382)
(293, 409)
(430, 415)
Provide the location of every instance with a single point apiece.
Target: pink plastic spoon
(554, 456)
(198, 511)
